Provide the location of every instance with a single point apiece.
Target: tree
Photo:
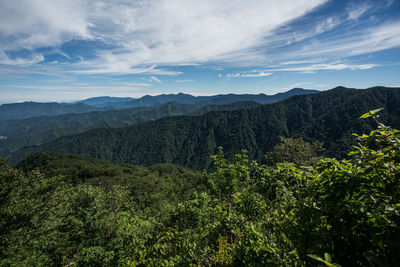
(295, 150)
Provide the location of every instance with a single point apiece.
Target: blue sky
(64, 50)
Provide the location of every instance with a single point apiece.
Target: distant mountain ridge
(104, 101)
(34, 109)
(330, 116)
(148, 100)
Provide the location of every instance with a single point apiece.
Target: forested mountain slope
(330, 117)
(38, 130)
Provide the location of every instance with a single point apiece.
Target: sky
(66, 50)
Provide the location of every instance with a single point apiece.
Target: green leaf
(327, 257)
(371, 113)
(375, 111)
(327, 263)
(366, 115)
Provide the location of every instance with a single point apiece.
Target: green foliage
(336, 213)
(326, 260)
(229, 178)
(151, 188)
(295, 150)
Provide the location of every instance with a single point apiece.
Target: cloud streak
(252, 74)
(357, 10)
(154, 78)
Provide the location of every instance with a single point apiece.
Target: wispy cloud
(356, 10)
(22, 71)
(325, 66)
(33, 59)
(360, 42)
(302, 67)
(118, 68)
(154, 78)
(184, 81)
(326, 25)
(251, 74)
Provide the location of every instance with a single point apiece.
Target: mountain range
(34, 109)
(148, 100)
(38, 130)
(331, 117)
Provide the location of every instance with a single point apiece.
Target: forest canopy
(242, 213)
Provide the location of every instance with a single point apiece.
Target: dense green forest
(43, 129)
(29, 123)
(330, 117)
(65, 210)
(151, 187)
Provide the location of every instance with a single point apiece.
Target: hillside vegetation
(243, 213)
(39, 130)
(151, 188)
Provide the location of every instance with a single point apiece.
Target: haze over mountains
(330, 117)
(33, 109)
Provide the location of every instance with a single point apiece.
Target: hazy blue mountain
(33, 109)
(331, 116)
(214, 100)
(104, 101)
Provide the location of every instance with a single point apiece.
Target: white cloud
(356, 10)
(32, 24)
(35, 58)
(359, 42)
(325, 66)
(161, 32)
(150, 36)
(116, 67)
(252, 74)
(184, 81)
(326, 25)
(154, 78)
(297, 62)
(22, 71)
(304, 67)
